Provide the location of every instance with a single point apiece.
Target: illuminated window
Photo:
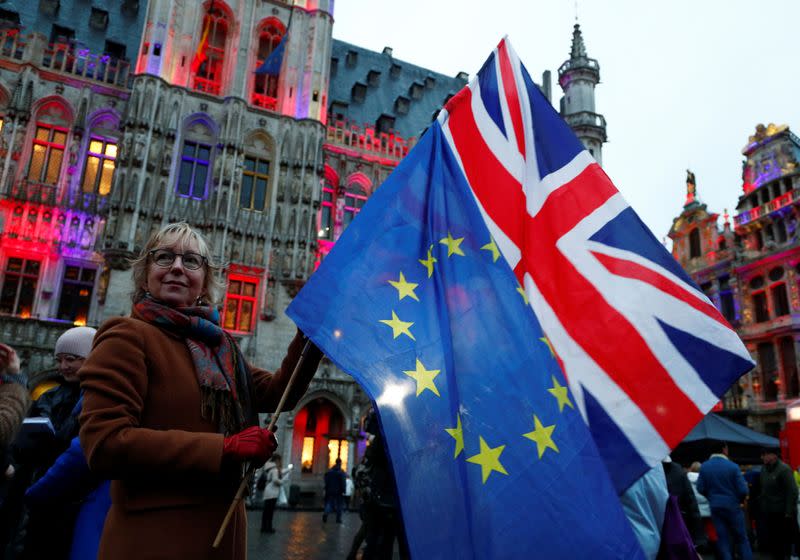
(193, 175)
(354, 200)
(337, 449)
(208, 77)
(76, 294)
(307, 457)
(99, 169)
(47, 154)
(240, 304)
(265, 86)
(255, 179)
(19, 286)
(326, 212)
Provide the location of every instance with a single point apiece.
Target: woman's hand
(9, 360)
(251, 444)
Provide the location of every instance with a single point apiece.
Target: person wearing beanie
(55, 394)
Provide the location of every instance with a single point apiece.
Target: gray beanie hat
(76, 341)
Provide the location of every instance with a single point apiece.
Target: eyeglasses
(165, 258)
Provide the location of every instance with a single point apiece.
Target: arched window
(694, 244)
(354, 199)
(255, 182)
(265, 86)
(49, 143)
(101, 155)
(209, 62)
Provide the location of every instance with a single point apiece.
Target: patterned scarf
(225, 380)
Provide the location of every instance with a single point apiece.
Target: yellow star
(542, 435)
(404, 288)
(424, 378)
(492, 246)
(561, 394)
(398, 327)
(428, 263)
(488, 459)
(453, 245)
(521, 291)
(549, 346)
(458, 434)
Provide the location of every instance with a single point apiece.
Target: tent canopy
(719, 428)
(744, 444)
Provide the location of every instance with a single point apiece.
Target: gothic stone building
(150, 112)
(751, 270)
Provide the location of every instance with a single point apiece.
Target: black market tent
(744, 444)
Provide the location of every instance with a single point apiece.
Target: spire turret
(578, 47)
(578, 77)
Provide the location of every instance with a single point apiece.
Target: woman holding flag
(171, 408)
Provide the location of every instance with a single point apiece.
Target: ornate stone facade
(750, 271)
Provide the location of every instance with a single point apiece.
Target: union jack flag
(646, 353)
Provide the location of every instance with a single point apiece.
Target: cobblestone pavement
(301, 535)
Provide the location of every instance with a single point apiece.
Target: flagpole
(243, 484)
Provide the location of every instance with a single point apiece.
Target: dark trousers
(333, 503)
(778, 531)
(266, 515)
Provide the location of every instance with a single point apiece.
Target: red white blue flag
(645, 352)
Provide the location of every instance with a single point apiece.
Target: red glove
(251, 444)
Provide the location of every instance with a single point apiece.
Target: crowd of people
(135, 444)
(721, 509)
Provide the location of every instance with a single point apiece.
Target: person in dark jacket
(678, 485)
(70, 481)
(335, 483)
(777, 501)
(721, 481)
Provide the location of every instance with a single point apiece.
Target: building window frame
(209, 76)
(99, 165)
(23, 300)
(780, 299)
(47, 153)
(241, 294)
(78, 305)
(695, 249)
(327, 211)
(354, 199)
(193, 175)
(265, 86)
(761, 312)
(255, 182)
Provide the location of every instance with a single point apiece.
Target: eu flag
(491, 457)
(272, 64)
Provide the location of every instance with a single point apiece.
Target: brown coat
(141, 427)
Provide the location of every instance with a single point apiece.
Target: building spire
(578, 47)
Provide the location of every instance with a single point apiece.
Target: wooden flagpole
(252, 468)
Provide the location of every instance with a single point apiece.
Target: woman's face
(175, 284)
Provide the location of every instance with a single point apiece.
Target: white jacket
(274, 481)
(702, 501)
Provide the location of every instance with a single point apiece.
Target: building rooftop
(374, 88)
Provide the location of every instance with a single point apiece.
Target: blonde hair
(183, 232)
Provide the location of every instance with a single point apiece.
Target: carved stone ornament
(118, 259)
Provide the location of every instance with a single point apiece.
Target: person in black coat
(678, 485)
(334, 491)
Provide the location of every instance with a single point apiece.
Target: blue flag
(272, 64)
(491, 457)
